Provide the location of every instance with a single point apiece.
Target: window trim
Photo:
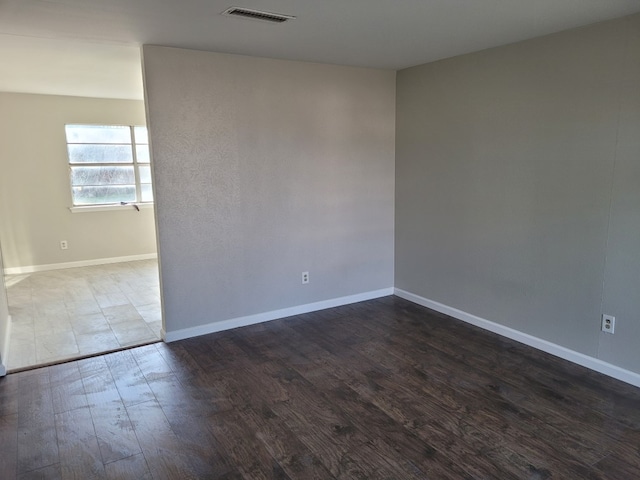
(136, 172)
(110, 206)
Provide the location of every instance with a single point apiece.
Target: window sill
(101, 208)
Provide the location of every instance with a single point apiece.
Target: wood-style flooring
(383, 389)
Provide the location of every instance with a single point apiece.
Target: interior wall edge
(4, 353)
(581, 359)
(213, 327)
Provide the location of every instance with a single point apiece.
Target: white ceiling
(91, 47)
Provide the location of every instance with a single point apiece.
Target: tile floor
(62, 314)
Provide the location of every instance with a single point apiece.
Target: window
(109, 164)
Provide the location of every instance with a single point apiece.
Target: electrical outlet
(305, 277)
(608, 323)
(64, 245)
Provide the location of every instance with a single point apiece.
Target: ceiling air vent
(257, 15)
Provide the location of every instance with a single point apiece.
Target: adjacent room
(81, 268)
(393, 240)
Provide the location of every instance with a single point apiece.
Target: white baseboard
(4, 353)
(272, 315)
(592, 363)
(81, 263)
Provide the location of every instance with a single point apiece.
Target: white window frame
(139, 203)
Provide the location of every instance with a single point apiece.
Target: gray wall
(35, 194)
(622, 272)
(517, 199)
(264, 169)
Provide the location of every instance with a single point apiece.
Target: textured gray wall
(264, 169)
(505, 163)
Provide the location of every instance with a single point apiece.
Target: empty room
(81, 271)
(395, 240)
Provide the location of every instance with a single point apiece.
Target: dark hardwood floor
(382, 389)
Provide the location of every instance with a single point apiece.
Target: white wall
(517, 199)
(34, 185)
(4, 322)
(264, 169)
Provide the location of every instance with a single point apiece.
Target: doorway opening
(80, 263)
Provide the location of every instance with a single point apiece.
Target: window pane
(145, 174)
(98, 134)
(147, 193)
(142, 153)
(141, 135)
(108, 194)
(105, 175)
(100, 154)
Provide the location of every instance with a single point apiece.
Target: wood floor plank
(9, 446)
(296, 459)
(252, 458)
(113, 427)
(383, 389)
(186, 411)
(128, 378)
(134, 467)
(441, 422)
(9, 395)
(433, 424)
(79, 451)
(494, 407)
(593, 429)
(50, 472)
(444, 356)
(37, 439)
(163, 450)
(194, 377)
(180, 362)
(418, 456)
(530, 423)
(208, 357)
(331, 426)
(66, 387)
(616, 466)
(253, 399)
(150, 362)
